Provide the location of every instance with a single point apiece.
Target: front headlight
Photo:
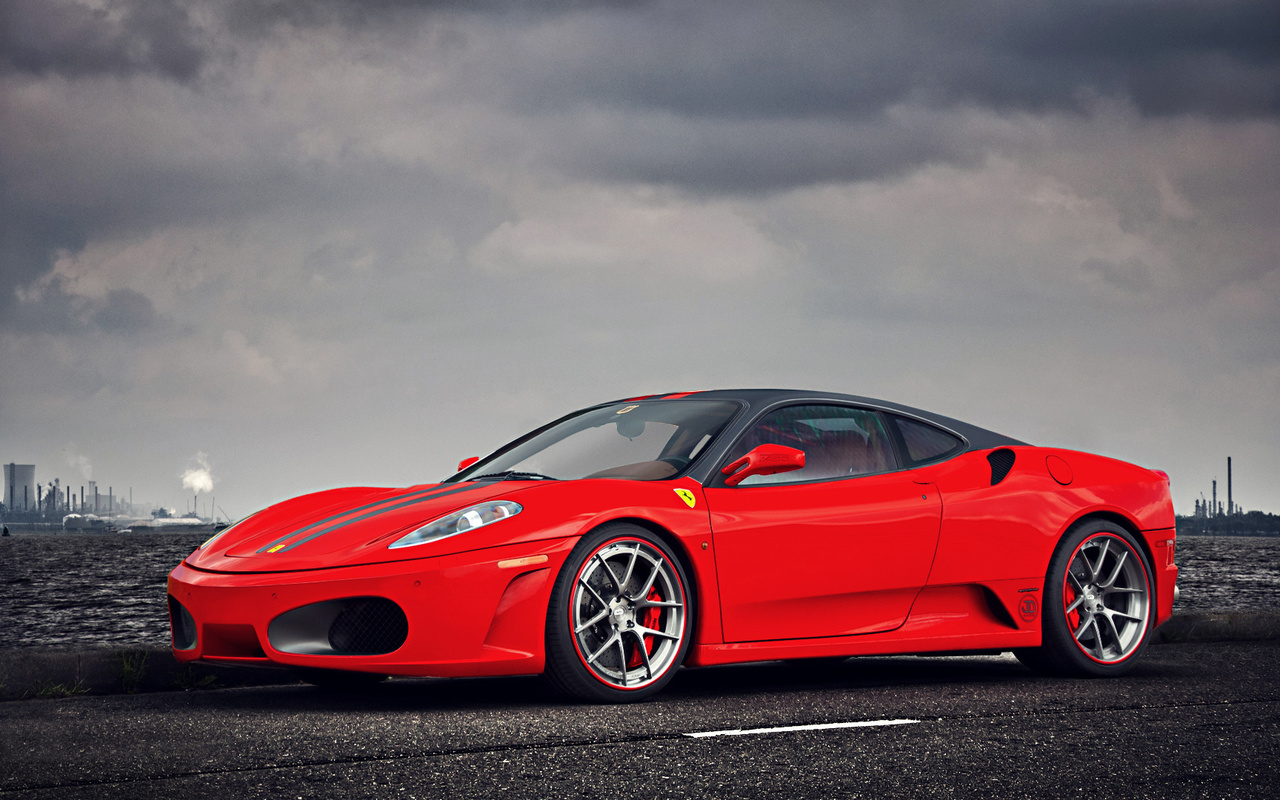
(468, 519)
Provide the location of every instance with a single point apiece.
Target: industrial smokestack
(1215, 497)
(1231, 506)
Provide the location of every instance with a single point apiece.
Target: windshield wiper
(514, 475)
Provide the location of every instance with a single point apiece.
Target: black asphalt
(1192, 720)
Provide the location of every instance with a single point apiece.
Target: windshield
(648, 441)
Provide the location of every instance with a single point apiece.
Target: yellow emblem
(276, 548)
(687, 496)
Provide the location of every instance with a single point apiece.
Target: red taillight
(1164, 475)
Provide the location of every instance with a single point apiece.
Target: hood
(339, 527)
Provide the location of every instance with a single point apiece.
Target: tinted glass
(649, 440)
(925, 442)
(838, 442)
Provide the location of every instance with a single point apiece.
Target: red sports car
(622, 541)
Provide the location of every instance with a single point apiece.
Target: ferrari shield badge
(687, 496)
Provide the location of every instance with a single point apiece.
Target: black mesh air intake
(183, 625)
(1001, 462)
(368, 626)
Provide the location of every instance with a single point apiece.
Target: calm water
(103, 589)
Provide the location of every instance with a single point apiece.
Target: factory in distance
(27, 502)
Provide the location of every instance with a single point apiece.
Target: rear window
(925, 442)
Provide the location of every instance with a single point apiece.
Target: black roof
(978, 438)
(755, 403)
(758, 401)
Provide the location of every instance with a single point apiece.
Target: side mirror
(466, 462)
(764, 460)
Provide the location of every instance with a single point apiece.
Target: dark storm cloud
(740, 60)
(253, 17)
(755, 156)
(125, 38)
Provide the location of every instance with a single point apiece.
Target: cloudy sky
(322, 243)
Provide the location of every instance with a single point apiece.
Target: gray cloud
(436, 225)
(125, 311)
(738, 60)
(54, 308)
(126, 37)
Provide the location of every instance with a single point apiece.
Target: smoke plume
(82, 464)
(199, 479)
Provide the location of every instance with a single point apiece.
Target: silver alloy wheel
(1106, 598)
(627, 613)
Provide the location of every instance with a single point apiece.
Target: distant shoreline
(55, 528)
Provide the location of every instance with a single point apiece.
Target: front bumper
(473, 613)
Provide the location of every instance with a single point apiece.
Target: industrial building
(20, 487)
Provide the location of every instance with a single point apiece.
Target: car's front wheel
(620, 618)
(1097, 604)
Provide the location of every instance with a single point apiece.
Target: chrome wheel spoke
(644, 655)
(1115, 633)
(1085, 622)
(1106, 543)
(1115, 572)
(622, 654)
(1074, 604)
(608, 643)
(1079, 586)
(631, 565)
(604, 563)
(657, 567)
(591, 622)
(642, 603)
(1092, 575)
(643, 631)
(1097, 637)
(594, 593)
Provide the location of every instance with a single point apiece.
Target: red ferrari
(622, 541)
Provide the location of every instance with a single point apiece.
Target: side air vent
(182, 625)
(1001, 462)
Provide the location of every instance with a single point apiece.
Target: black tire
(620, 618)
(336, 680)
(1098, 606)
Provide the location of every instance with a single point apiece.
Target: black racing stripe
(426, 493)
(372, 514)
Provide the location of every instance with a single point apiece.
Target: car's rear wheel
(1098, 611)
(620, 618)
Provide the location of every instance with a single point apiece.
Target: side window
(838, 442)
(925, 442)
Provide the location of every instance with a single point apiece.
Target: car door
(840, 547)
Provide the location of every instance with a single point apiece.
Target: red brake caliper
(652, 616)
(1069, 595)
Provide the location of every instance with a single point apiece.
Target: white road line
(873, 723)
